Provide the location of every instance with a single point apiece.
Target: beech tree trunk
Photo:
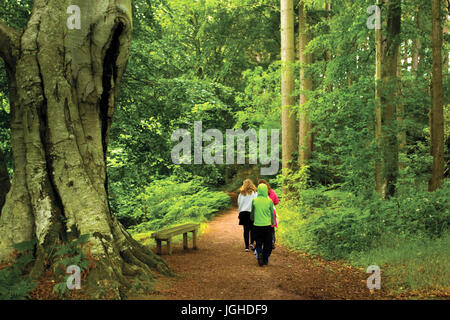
(5, 184)
(62, 85)
(378, 131)
(437, 111)
(445, 34)
(400, 106)
(387, 95)
(417, 43)
(289, 121)
(305, 127)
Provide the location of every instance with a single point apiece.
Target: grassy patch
(410, 264)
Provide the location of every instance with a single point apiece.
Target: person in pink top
(273, 196)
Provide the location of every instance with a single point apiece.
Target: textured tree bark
(63, 84)
(400, 105)
(445, 33)
(437, 111)
(5, 184)
(417, 43)
(386, 165)
(289, 121)
(305, 126)
(378, 129)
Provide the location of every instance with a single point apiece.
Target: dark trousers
(263, 237)
(248, 234)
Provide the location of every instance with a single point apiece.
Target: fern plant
(14, 283)
(66, 255)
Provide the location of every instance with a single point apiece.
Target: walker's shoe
(266, 262)
(260, 259)
(246, 250)
(252, 247)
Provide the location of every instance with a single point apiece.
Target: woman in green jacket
(263, 221)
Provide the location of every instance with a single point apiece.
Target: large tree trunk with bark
(5, 184)
(289, 121)
(63, 84)
(387, 96)
(437, 111)
(305, 126)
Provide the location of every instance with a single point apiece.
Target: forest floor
(221, 270)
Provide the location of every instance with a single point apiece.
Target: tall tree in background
(437, 112)
(386, 164)
(417, 42)
(305, 126)
(378, 131)
(400, 106)
(289, 122)
(63, 85)
(445, 32)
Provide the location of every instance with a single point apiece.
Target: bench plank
(167, 234)
(181, 227)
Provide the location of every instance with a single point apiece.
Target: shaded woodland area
(87, 116)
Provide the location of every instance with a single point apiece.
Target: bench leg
(158, 247)
(194, 239)
(185, 241)
(169, 246)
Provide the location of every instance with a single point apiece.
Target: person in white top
(245, 200)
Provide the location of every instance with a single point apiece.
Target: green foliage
(218, 62)
(259, 102)
(295, 181)
(168, 202)
(14, 283)
(415, 263)
(68, 254)
(335, 224)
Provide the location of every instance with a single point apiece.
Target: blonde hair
(247, 187)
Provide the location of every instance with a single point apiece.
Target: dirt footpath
(221, 269)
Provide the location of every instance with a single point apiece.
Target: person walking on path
(274, 197)
(263, 220)
(245, 199)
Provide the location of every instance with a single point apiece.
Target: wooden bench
(167, 234)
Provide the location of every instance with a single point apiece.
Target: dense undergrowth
(169, 202)
(407, 235)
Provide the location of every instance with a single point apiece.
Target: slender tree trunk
(436, 112)
(386, 169)
(289, 122)
(305, 126)
(417, 44)
(329, 54)
(5, 184)
(63, 84)
(379, 164)
(400, 105)
(445, 32)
